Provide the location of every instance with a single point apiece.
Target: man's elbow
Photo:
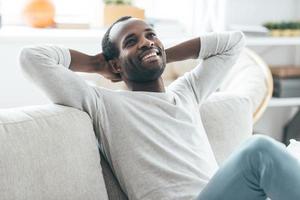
(26, 58)
(240, 39)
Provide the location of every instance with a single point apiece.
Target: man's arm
(185, 50)
(48, 67)
(81, 62)
(219, 52)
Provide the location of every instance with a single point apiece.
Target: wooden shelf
(272, 41)
(284, 102)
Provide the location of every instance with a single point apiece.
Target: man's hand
(81, 62)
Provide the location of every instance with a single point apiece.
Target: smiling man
(152, 136)
(141, 62)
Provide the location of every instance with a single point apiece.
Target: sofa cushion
(248, 77)
(227, 119)
(49, 152)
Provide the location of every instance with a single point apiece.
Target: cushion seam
(37, 119)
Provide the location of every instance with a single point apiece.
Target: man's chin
(148, 75)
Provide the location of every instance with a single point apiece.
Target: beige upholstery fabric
(250, 77)
(247, 79)
(49, 152)
(227, 119)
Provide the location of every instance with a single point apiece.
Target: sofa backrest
(227, 120)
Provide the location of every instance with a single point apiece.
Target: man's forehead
(123, 28)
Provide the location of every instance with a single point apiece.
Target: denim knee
(259, 144)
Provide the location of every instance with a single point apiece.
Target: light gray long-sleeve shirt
(154, 142)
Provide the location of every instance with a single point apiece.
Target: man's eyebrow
(132, 34)
(149, 29)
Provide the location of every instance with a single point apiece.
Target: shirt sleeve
(219, 52)
(48, 67)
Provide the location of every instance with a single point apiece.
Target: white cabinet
(15, 90)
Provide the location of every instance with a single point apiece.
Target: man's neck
(151, 86)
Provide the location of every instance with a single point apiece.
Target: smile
(150, 57)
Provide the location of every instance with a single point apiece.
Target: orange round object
(39, 13)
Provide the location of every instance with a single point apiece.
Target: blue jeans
(261, 168)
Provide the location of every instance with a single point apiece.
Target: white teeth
(149, 55)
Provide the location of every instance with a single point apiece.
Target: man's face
(142, 56)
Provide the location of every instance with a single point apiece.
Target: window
(81, 10)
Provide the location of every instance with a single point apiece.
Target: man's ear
(115, 65)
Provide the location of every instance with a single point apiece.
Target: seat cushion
(49, 152)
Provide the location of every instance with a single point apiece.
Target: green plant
(282, 25)
(269, 25)
(119, 2)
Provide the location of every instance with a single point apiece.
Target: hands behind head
(106, 70)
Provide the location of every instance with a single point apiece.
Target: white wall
(181, 11)
(256, 12)
(15, 89)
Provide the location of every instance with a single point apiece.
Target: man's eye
(152, 35)
(130, 42)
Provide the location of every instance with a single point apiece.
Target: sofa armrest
(49, 152)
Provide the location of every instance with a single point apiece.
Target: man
(153, 136)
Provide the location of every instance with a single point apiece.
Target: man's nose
(145, 42)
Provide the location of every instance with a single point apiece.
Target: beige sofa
(50, 151)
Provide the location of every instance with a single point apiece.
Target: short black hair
(109, 49)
